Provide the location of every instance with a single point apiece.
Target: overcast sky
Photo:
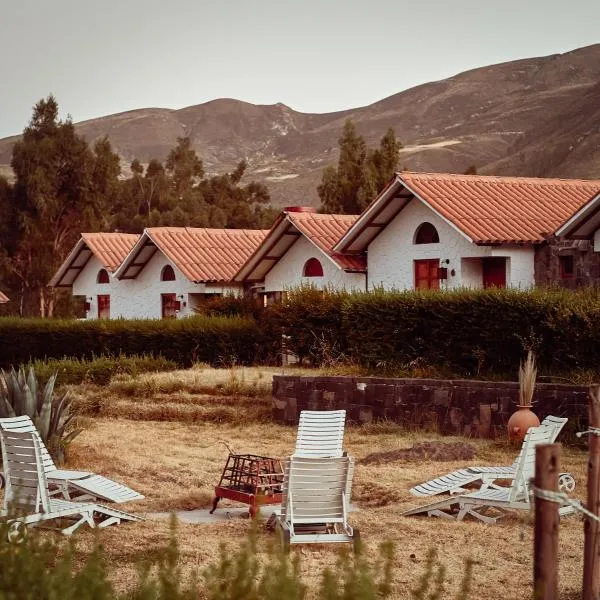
(102, 57)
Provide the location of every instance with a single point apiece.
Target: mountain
(538, 117)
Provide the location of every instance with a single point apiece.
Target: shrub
(214, 340)
(468, 332)
(99, 370)
(43, 567)
(312, 322)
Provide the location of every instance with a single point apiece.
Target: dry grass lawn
(176, 463)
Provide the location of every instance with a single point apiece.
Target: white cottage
(89, 270)
(298, 250)
(165, 272)
(433, 230)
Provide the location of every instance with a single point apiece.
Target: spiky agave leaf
(10, 380)
(57, 410)
(32, 383)
(48, 391)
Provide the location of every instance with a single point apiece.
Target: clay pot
(520, 421)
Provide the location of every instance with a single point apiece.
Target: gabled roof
(484, 209)
(584, 222)
(4, 298)
(323, 231)
(109, 248)
(202, 255)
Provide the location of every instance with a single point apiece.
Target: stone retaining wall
(472, 408)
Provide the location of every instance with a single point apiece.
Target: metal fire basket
(250, 479)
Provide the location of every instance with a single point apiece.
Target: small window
(427, 234)
(313, 268)
(167, 274)
(566, 266)
(102, 276)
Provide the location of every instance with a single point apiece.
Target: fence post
(545, 544)
(591, 585)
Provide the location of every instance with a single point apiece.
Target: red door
(427, 274)
(169, 305)
(104, 306)
(494, 272)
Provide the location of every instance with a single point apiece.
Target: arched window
(313, 268)
(102, 276)
(427, 234)
(167, 274)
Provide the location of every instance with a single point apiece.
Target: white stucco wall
(597, 240)
(392, 254)
(287, 273)
(140, 298)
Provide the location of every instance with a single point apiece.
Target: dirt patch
(440, 451)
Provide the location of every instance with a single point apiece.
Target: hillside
(538, 117)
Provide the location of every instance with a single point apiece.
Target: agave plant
(21, 394)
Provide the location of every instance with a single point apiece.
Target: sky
(103, 57)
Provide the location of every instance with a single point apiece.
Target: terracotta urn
(520, 421)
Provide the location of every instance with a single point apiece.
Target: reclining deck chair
(454, 482)
(72, 485)
(500, 500)
(316, 497)
(26, 495)
(320, 433)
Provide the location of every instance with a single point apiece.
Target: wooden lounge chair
(320, 433)
(27, 500)
(496, 500)
(316, 496)
(72, 485)
(456, 481)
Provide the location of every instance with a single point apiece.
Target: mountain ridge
(533, 116)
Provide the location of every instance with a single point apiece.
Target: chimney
(300, 209)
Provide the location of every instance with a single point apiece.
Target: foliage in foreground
(44, 568)
(22, 394)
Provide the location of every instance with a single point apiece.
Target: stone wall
(586, 263)
(472, 408)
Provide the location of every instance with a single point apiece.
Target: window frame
(170, 270)
(428, 228)
(310, 264)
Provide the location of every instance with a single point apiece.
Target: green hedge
(99, 370)
(214, 340)
(470, 332)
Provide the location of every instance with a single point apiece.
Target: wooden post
(545, 549)
(591, 585)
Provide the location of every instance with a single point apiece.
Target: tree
(184, 166)
(52, 166)
(360, 174)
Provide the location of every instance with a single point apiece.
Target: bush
(214, 340)
(44, 568)
(469, 332)
(100, 370)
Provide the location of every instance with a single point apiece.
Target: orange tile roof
(110, 248)
(502, 209)
(4, 298)
(206, 254)
(486, 209)
(325, 231)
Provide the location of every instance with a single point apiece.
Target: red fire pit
(250, 479)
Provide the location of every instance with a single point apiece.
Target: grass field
(169, 443)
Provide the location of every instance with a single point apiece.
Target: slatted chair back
(26, 485)
(25, 424)
(320, 433)
(552, 427)
(557, 424)
(317, 490)
(525, 462)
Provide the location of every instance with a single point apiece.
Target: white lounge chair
(27, 500)
(72, 485)
(499, 500)
(456, 481)
(320, 433)
(316, 497)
